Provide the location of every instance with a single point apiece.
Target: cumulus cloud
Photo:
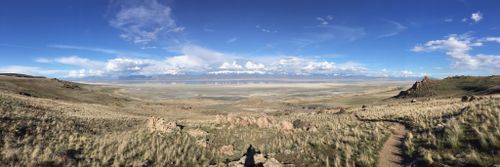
(289, 65)
(127, 65)
(230, 66)
(476, 17)
(143, 22)
(457, 47)
(254, 66)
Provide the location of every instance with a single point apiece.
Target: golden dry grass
(57, 132)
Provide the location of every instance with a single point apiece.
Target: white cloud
(145, 21)
(319, 66)
(83, 73)
(254, 66)
(127, 66)
(230, 66)
(264, 29)
(98, 50)
(77, 73)
(30, 70)
(237, 72)
(492, 39)
(476, 17)
(232, 40)
(325, 20)
(194, 59)
(78, 61)
(448, 20)
(108, 51)
(395, 30)
(457, 47)
(406, 72)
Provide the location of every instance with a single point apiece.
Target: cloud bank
(194, 59)
(457, 48)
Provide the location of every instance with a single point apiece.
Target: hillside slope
(51, 88)
(453, 86)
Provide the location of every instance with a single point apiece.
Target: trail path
(391, 154)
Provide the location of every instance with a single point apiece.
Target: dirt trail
(391, 153)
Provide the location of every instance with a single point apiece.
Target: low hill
(453, 86)
(52, 88)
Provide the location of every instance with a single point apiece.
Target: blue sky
(76, 38)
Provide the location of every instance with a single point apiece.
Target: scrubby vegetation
(35, 134)
(48, 131)
(447, 131)
(32, 134)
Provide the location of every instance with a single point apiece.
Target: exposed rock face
(159, 125)
(418, 86)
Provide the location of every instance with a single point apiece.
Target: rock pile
(159, 125)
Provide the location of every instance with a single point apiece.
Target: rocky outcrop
(416, 89)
